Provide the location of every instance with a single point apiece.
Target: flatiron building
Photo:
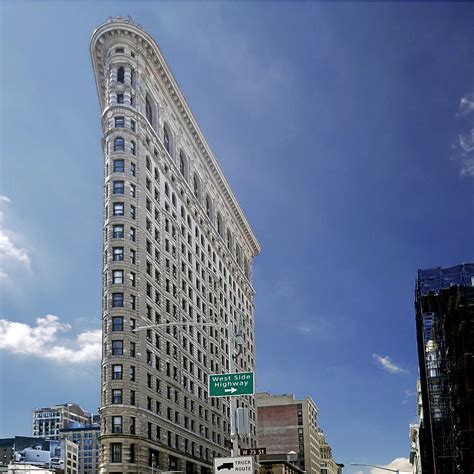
(177, 248)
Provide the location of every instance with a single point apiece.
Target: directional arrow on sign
(231, 390)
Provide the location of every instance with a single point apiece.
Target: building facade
(86, 437)
(277, 464)
(285, 424)
(328, 465)
(444, 306)
(48, 421)
(178, 251)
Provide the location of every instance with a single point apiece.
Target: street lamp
(377, 467)
(230, 354)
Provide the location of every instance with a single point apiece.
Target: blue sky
(345, 131)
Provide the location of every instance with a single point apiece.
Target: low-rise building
(86, 438)
(285, 424)
(49, 420)
(278, 464)
(328, 465)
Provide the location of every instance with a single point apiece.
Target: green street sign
(231, 385)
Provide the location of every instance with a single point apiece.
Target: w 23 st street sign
(231, 385)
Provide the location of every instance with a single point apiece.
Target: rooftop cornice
(156, 60)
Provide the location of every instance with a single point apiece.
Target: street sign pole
(233, 402)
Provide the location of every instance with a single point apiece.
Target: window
(117, 348)
(132, 349)
(119, 187)
(133, 212)
(133, 234)
(119, 144)
(229, 239)
(133, 125)
(120, 99)
(119, 122)
(148, 111)
(208, 206)
(220, 224)
(118, 209)
(132, 373)
(132, 397)
(119, 50)
(117, 371)
(117, 323)
(117, 254)
(133, 190)
(121, 74)
(119, 166)
(166, 140)
(182, 164)
(132, 453)
(132, 77)
(196, 186)
(116, 396)
(133, 148)
(117, 300)
(116, 424)
(116, 448)
(133, 169)
(118, 232)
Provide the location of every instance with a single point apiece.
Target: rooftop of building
(263, 399)
(433, 280)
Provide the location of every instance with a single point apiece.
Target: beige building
(328, 465)
(177, 250)
(48, 421)
(285, 424)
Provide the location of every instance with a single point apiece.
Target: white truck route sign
(238, 465)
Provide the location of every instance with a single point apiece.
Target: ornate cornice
(138, 38)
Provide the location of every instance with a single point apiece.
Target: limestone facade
(177, 248)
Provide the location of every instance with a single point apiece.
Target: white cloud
(464, 147)
(409, 394)
(402, 464)
(466, 104)
(305, 329)
(10, 252)
(42, 341)
(386, 363)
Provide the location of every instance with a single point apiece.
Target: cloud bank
(43, 341)
(387, 364)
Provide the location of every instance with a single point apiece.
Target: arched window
(121, 74)
(196, 186)
(166, 139)
(208, 206)
(148, 110)
(119, 144)
(182, 164)
(229, 239)
(220, 224)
